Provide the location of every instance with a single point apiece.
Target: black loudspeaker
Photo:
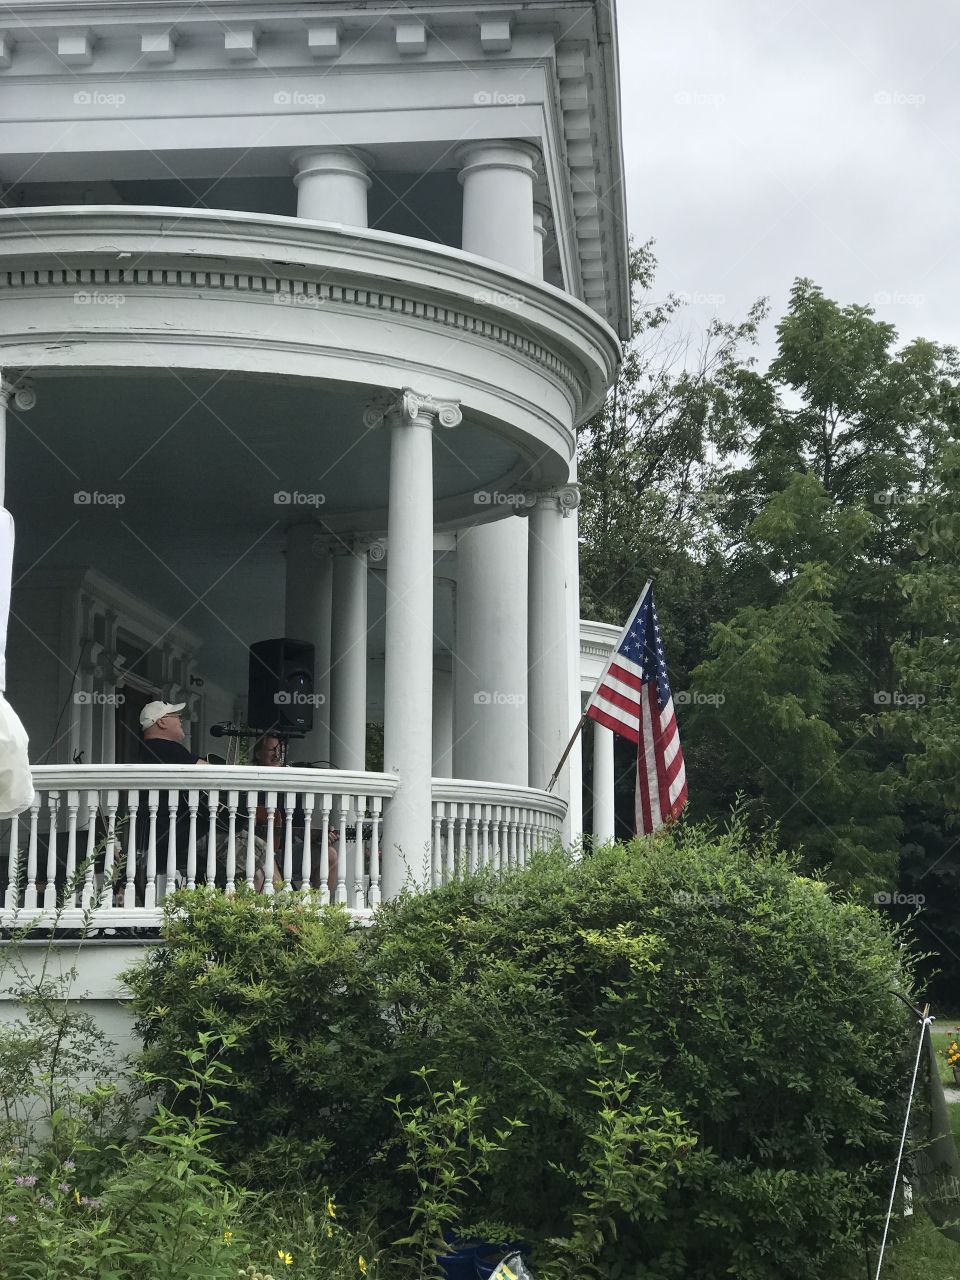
(280, 688)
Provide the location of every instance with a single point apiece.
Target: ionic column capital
(409, 408)
(565, 499)
(19, 390)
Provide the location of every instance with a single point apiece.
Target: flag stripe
(633, 699)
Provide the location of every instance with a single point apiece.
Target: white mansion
(301, 305)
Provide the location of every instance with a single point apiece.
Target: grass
(921, 1252)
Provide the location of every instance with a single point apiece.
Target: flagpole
(603, 675)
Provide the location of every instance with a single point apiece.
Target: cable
(73, 680)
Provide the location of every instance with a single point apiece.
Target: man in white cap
(163, 735)
(163, 744)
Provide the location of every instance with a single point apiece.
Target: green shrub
(703, 1050)
(286, 985)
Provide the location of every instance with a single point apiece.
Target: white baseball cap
(155, 711)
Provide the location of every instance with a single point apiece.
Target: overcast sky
(770, 140)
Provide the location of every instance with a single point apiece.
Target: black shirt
(163, 751)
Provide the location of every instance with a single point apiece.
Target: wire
(73, 680)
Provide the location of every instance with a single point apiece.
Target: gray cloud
(767, 141)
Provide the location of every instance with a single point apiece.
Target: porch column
(497, 180)
(348, 657)
(332, 185)
(603, 773)
(490, 655)
(550, 721)
(573, 822)
(307, 617)
(408, 678)
(442, 721)
(490, 660)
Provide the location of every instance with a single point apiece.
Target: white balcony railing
(103, 845)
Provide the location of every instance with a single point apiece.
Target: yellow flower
(362, 1264)
(285, 1258)
(76, 1195)
(228, 1237)
(331, 1208)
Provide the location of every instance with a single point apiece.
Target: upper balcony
(164, 103)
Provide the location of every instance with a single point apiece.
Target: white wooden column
(490, 654)
(603, 787)
(498, 222)
(550, 722)
(332, 185)
(408, 677)
(348, 656)
(490, 657)
(307, 617)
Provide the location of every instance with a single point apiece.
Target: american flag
(633, 699)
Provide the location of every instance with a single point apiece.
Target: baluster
(90, 857)
(474, 854)
(193, 803)
(109, 852)
(436, 874)
(374, 895)
(213, 808)
(343, 855)
(498, 851)
(50, 888)
(233, 801)
(73, 805)
(359, 893)
(462, 858)
(450, 828)
(306, 857)
(485, 835)
(326, 804)
(133, 808)
(173, 808)
(30, 888)
(290, 803)
(12, 896)
(251, 860)
(268, 863)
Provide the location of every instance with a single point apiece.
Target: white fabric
(6, 579)
(16, 782)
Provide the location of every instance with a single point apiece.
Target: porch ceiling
(182, 473)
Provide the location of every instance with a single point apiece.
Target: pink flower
(26, 1180)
